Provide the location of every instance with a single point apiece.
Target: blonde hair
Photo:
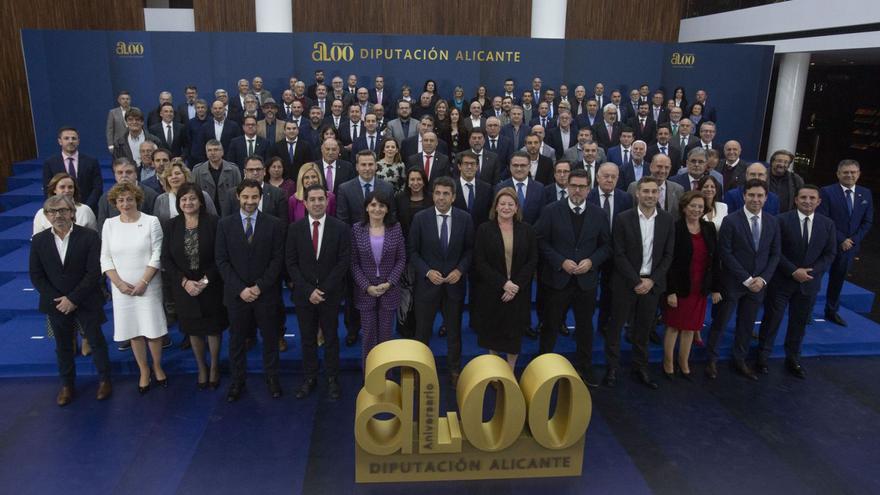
(300, 190)
(505, 191)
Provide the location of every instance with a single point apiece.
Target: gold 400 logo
(334, 53)
(130, 49)
(685, 59)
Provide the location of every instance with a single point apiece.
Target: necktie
(372, 142)
(428, 166)
(336, 122)
(315, 236)
(849, 202)
(250, 149)
(642, 123)
(168, 135)
(543, 122)
(492, 144)
(328, 177)
(663, 150)
(683, 142)
(248, 229)
(290, 150)
(405, 128)
(674, 128)
(367, 188)
(379, 97)
(806, 237)
(321, 103)
(695, 185)
(756, 231)
(589, 169)
(610, 129)
(577, 210)
(71, 170)
(444, 234)
(625, 156)
(354, 132)
(662, 199)
(521, 194)
(705, 146)
(606, 207)
(287, 111)
(562, 194)
(470, 196)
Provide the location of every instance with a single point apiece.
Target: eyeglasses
(57, 211)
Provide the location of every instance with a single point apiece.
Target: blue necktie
(521, 195)
(248, 229)
(806, 237)
(849, 202)
(290, 151)
(367, 187)
(756, 232)
(444, 234)
(470, 198)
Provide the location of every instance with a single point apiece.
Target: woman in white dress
(131, 247)
(64, 184)
(715, 210)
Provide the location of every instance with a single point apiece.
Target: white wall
(169, 20)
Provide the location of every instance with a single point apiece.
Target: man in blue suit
(809, 244)
(622, 154)
(83, 168)
(440, 247)
(220, 127)
(529, 191)
(851, 208)
(734, 197)
(749, 246)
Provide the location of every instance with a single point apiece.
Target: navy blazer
(237, 151)
(551, 195)
(88, 177)
(615, 154)
(628, 174)
(78, 277)
(503, 149)
(557, 243)
(520, 140)
(440, 165)
(739, 260)
(231, 130)
(734, 200)
(818, 255)
(483, 198)
(534, 199)
(361, 144)
(244, 264)
(326, 271)
(620, 201)
(854, 226)
(425, 254)
(179, 145)
(350, 199)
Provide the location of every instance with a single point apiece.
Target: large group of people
(392, 208)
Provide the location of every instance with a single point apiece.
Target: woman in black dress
(412, 199)
(196, 286)
(505, 257)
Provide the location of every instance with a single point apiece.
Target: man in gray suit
(669, 191)
(217, 177)
(129, 144)
(116, 127)
(575, 154)
(403, 126)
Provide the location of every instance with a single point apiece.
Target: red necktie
(428, 166)
(315, 236)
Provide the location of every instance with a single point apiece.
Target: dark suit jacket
(551, 122)
(684, 180)
(615, 154)
(695, 142)
(386, 99)
(647, 134)
(244, 264)
(410, 146)
(520, 140)
(620, 201)
(584, 121)
(483, 197)
(557, 243)
(350, 199)
(274, 203)
(425, 253)
(179, 145)
(551, 195)
(344, 172)
(734, 200)
(679, 278)
(231, 130)
(818, 254)
(503, 150)
(439, 164)
(78, 278)
(854, 226)
(328, 270)
(628, 174)
(181, 114)
(302, 153)
(490, 172)
(672, 151)
(237, 152)
(739, 259)
(362, 144)
(600, 134)
(175, 263)
(122, 149)
(662, 117)
(88, 177)
(534, 199)
(627, 237)
(554, 138)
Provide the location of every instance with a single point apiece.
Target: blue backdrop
(73, 76)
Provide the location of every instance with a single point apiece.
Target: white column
(274, 16)
(548, 18)
(790, 87)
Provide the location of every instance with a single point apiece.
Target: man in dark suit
(335, 118)
(607, 132)
(516, 130)
(734, 197)
(658, 112)
(749, 246)
(272, 202)
(851, 208)
(622, 153)
(370, 138)
(319, 81)
(318, 249)
(351, 130)
(611, 200)
(575, 240)
(413, 144)
(379, 95)
(292, 150)
(590, 117)
(187, 110)
(784, 181)
(247, 145)
(696, 170)
(472, 194)
(498, 143)
(220, 128)
(433, 163)
(530, 192)
(563, 136)
(83, 168)
(237, 102)
(709, 112)
(250, 257)
(488, 166)
(733, 168)
(540, 166)
(809, 244)
(336, 171)
(643, 242)
(172, 135)
(665, 146)
(543, 119)
(440, 246)
(557, 190)
(124, 170)
(66, 271)
(644, 128)
(128, 146)
(154, 117)
(599, 95)
(707, 138)
(350, 209)
(630, 108)
(194, 128)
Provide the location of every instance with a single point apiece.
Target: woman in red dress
(692, 276)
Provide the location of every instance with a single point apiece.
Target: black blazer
(600, 134)
(237, 151)
(302, 153)
(648, 134)
(425, 254)
(274, 203)
(818, 255)
(678, 281)
(410, 146)
(554, 139)
(483, 197)
(328, 270)
(231, 130)
(179, 145)
(88, 177)
(490, 172)
(78, 277)
(244, 264)
(544, 174)
(557, 243)
(175, 263)
(503, 150)
(671, 150)
(440, 165)
(343, 172)
(627, 239)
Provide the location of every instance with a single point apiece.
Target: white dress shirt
(646, 226)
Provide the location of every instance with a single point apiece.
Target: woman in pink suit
(378, 259)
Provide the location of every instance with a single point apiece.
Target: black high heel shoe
(163, 382)
(146, 388)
